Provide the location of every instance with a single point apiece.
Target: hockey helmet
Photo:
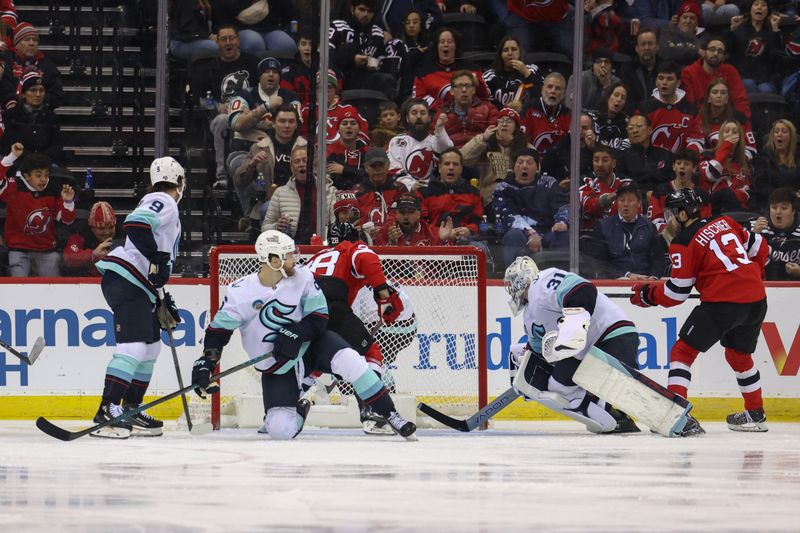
(518, 278)
(342, 231)
(274, 243)
(166, 169)
(685, 199)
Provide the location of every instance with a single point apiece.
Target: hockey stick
(62, 434)
(481, 417)
(200, 429)
(36, 350)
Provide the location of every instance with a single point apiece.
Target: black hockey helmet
(342, 231)
(685, 199)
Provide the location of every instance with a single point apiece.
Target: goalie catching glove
(167, 312)
(202, 370)
(390, 307)
(643, 295)
(570, 340)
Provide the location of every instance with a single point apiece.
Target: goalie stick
(62, 434)
(33, 354)
(476, 420)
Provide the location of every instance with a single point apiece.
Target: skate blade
(141, 432)
(370, 427)
(201, 429)
(111, 433)
(750, 428)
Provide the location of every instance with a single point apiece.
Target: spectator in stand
(413, 155)
(610, 118)
(432, 81)
(696, 78)
(345, 155)
(8, 23)
(605, 28)
(683, 167)
(466, 115)
(285, 207)
(411, 45)
(556, 161)
(377, 192)
(644, 163)
(34, 205)
(628, 244)
(26, 58)
(510, 78)
(657, 14)
(726, 176)
(547, 119)
(388, 125)
(703, 129)
(296, 76)
(394, 17)
(336, 111)
(531, 209)
(492, 150)
(32, 122)
(778, 164)
(357, 47)
(260, 29)
(755, 42)
(782, 232)
(598, 192)
(189, 32)
(91, 242)
(680, 41)
(451, 202)
(544, 26)
(719, 12)
(668, 110)
(639, 76)
(594, 80)
(231, 72)
(408, 228)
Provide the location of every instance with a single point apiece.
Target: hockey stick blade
(62, 434)
(476, 420)
(33, 354)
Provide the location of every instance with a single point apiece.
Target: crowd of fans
(460, 153)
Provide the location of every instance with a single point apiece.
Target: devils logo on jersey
(755, 47)
(544, 141)
(419, 163)
(37, 221)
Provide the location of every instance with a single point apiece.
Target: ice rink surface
(545, 476)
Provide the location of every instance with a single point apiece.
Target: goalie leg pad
(632, 392)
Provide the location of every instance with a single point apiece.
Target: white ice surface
(545, 476)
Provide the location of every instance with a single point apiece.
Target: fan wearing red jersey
(340, 272)
(726, 264)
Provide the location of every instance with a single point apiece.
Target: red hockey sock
(374, 357)
(747, 376)
(680, 368)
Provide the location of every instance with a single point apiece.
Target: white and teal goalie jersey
(159, 212)
(259, 311)
(546, 303)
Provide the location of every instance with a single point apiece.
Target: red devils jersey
(539, 10)
(545, 129)
(719, 257)
(339, 153)
(670, 122)
(699, 139)
(352, 262)
(590, 192)
(336, 113)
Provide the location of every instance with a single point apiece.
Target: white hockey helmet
(518, 278)
(274, 242)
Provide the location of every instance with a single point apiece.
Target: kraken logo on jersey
(275, 315)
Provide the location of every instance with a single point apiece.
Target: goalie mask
(166, 169)
(342, 231)
(518, 278)
(273, 243)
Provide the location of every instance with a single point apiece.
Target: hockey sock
(680, 368)
(119, 375)
(747, 376)
(374, 357)
(140, 382)
(369, 388)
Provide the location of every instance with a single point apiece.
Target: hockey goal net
(436, 355)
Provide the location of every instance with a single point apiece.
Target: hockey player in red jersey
(341, 271)
(725, 263)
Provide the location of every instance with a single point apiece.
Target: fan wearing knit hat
(92, 242)
(28, 58)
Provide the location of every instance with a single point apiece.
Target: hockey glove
(159, 269)
(167, 312)
(202, 370)
(289, 341)
(389, 308)
(643, 295)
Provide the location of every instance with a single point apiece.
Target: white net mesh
(430, 352)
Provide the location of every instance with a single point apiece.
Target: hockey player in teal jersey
(281, 310)
(133, 274)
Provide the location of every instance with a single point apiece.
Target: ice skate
(748, 420)
(303, 407)
(692, 428)
(117, 430)
(625, 424)
(143, 424)
(372, 423)
(401, 426)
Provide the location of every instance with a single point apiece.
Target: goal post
(436, 355)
